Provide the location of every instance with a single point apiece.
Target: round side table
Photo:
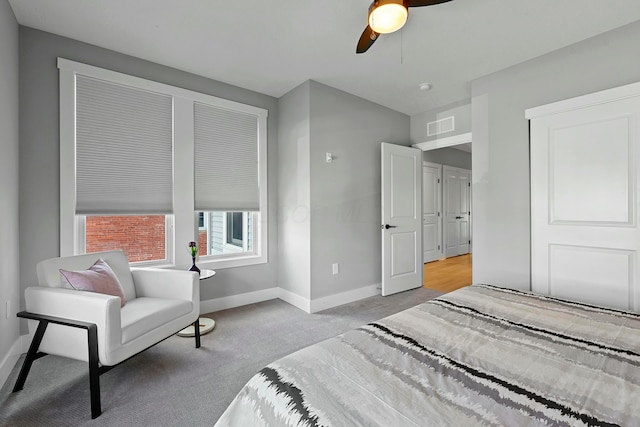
(206, 324)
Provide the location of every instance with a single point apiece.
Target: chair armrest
(164, 283)
(91, 307)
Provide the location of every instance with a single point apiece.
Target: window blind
(124, 145)
(226, 159)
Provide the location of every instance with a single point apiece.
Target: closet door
(584, 199)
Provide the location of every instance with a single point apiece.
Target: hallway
(448, 274)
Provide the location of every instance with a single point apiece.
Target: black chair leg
(32, 355)
(94, 371)
(196, 328)
(94, 362)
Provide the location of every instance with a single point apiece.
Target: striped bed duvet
(479, 356)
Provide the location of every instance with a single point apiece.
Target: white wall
(294, 189)
(501, 141)
(461, 111)
(9, 239)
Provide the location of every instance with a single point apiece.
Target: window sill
(152, 264)
(231, 261)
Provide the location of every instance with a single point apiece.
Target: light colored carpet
(175, 384)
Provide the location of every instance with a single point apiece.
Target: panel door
(401, 218)
(431, 217)
(584, 202)
(464, 222)
(457, 211)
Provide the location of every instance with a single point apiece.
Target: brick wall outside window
(142, 238)
(202, 242)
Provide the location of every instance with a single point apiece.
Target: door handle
(458, 217)
(387, 226)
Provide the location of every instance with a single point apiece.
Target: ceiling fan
(387, 16)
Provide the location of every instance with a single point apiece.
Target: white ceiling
(271, 46)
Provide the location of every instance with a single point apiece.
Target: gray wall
(345, 194)
(9, 224)
(449, 157)
(501, 141)
(461, 110)
(294, 189)
(39, 151)
(330, 212)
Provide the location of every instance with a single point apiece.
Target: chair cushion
(145, 314)
(98, 278)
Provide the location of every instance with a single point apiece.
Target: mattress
(481, 355)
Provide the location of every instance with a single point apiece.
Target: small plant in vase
(193, 248)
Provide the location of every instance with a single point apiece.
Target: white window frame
(183, 226)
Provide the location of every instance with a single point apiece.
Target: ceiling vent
(441, 126)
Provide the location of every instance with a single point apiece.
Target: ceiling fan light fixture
(387, 16)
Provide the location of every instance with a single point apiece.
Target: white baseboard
(295, 300)
(335, 300)
(10, 360)
(232, 301)
(304, 304)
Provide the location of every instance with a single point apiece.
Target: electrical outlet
(335, 268)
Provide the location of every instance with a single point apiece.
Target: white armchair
(159, 303)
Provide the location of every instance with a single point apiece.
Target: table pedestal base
(206, 325)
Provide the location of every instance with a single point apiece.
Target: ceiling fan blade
(417, 3)
(366, 40)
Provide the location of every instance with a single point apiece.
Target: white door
(457, 211)
(584, 199)
(431, 216)
(401, 218)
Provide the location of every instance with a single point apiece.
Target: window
(229, 234)
(227, 183)
(236, 232)
(141, 237)
(148, 167)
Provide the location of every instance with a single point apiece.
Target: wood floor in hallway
(448, 274)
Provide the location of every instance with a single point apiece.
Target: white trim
(231, 261)
(68, 244)
(10, 360)
(304, 304)
(585, 101)
(335, 300)
(239, 300)
(295, 300)
(183, 227)
(74, 68)
(463, 138)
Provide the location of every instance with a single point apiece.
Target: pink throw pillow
(98, 278)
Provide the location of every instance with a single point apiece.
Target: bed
(481, 355)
